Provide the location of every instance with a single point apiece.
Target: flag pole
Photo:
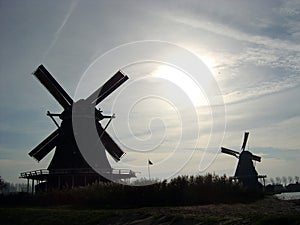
(148, 168)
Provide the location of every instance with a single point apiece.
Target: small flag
(149, 162)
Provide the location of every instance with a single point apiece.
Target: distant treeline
(183, 190)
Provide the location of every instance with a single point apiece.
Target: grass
(59, 216)
(265, 211)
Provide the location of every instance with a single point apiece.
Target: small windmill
(68, 166)
(245, 171)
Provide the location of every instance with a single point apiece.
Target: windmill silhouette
(69, 166)
(245, 171)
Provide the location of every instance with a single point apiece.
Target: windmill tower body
(68, 159)
(67, 147)
(80, 121)
(245, 171)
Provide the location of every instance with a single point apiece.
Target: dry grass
(265, 211)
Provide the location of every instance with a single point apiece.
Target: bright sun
(184, 81)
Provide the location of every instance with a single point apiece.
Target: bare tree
(297, 179)
(278, 180)
(284, 180)
(2, 184)
(291, 180)
(272, 180)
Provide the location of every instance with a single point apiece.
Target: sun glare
(184, 81)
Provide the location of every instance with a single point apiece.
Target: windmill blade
(230, 152)
(256, 158)
(245, 141)
(111, 90)
(40, 151)
(56, 84)
(105, 90)
(113, 149)
(53, 86)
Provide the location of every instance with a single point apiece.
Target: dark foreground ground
(266, 211)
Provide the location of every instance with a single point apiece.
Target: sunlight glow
(185, 82)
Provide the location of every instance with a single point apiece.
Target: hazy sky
(251, 50)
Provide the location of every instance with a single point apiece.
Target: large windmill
(245, 171)
(69, 166)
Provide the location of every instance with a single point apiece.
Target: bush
(183, 190)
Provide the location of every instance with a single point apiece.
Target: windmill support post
(27, 185)
(32, 187)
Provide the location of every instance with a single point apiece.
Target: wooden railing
(45, 172)
(34, 173)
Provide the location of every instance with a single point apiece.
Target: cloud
(60, 28)
(254, 47)
(278, 153)
(224, 30)
(248, 50)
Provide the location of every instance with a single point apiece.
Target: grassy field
(265, 211)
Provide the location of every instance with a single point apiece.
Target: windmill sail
(111, 85)
(256, 158)
(53, 87)
(40, 151)
(111, 147)
(245, 141)
(229, 152)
